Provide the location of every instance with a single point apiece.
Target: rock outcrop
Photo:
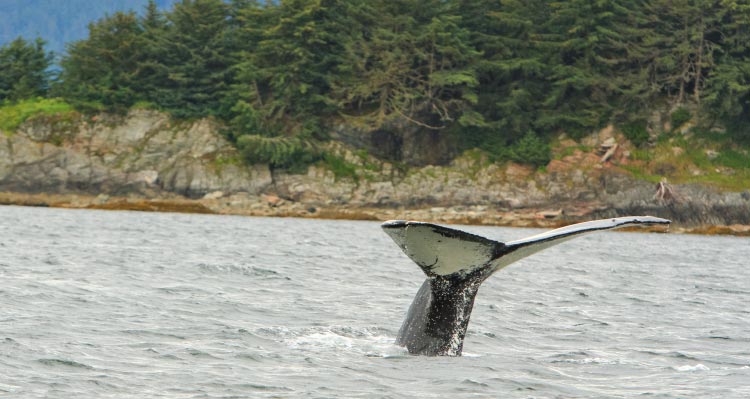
(143, 153)
(148, 156)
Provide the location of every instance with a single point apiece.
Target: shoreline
(272, 206)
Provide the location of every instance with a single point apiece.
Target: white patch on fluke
(440, 253)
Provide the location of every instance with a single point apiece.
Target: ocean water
(103, 304)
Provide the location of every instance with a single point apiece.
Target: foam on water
(697, 367)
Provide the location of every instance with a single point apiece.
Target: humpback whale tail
(456, 263)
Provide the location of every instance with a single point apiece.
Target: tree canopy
(498, 73)
(23, 70)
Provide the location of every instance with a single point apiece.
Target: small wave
(735, 368)
(474, 383)
(8, 388)
(697, 367)
(64, 362)
(673, 354)
(200, 353)
(251, 271)
(588, 360)
(152, 334)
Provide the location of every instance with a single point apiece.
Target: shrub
(680, 116)
(339, 166)
(288, 153)
(636, 132)
(531, 149)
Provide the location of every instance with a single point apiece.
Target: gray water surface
(100, 304)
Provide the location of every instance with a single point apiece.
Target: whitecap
(355, 340)
(697, 367)
(588, 360)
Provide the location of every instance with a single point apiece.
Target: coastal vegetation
(506, 77)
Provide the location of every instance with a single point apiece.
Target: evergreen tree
(23, 69)
(513, 70)
(728, 88)
(294, 50)
(594, 49)
(414, 64)
(691, 33)
(197, 58)
(102, 69)
(152, 71)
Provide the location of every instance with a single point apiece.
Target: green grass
(734, 159)
(740, 181)
(642, 155)
(568, 151)
(13, 115)
(730, 170)
(339, 166)
(145, 105)
(221, 161)
(642, 174)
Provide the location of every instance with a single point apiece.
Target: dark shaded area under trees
(502, 75)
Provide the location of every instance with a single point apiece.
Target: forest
(505, 76)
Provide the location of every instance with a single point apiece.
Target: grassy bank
(12, 115)
(694, 157)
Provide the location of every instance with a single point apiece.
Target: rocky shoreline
(146, 161)
(269, 206)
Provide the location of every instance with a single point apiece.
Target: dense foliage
(23, 70)
(503, 74)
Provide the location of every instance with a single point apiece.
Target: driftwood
(607, 155)
(666, 193)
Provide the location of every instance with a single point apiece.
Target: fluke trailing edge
(456, 263)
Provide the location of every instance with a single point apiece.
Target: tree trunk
(699, 65)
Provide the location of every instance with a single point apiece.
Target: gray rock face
(143, 153)
(401, 142)
(147, 154)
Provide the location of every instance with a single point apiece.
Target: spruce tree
(415, 65)
(197, 58)
(101, 70)
(728, 88)
(513, 70)
(152, 70)
(23, 69)
(292, 55)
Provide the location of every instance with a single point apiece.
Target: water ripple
(128, 304)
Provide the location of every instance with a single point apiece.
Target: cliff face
(143, 153)
(147, 155)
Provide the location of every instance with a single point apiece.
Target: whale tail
(443, 251)
(456, 263)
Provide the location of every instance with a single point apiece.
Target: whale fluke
(456, 263)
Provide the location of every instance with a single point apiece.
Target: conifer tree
(23, 69)
(728, 88)
(294, 50)
(101, 70)
(415, 65)
(152, 71)
(513, 70)
(196, 57)
(692, 29)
